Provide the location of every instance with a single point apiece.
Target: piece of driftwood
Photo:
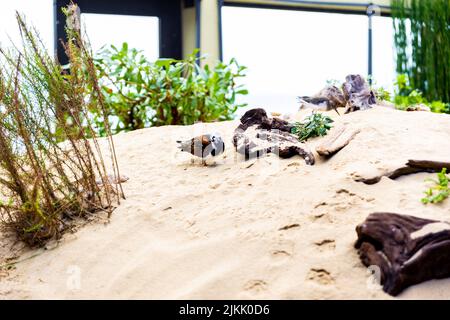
(412, 166)
(337, 139)
(408, 250)
(258, 135)
(357, 93)
(329, 98)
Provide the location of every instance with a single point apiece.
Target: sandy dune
(260, 229)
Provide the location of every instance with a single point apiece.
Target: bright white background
(292, 53)
(37, 12)
(288, 53)
(141, 33)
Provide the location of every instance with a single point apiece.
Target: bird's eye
(213, 139)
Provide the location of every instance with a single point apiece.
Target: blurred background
(290, 48)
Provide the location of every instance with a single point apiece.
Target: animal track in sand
(325, 244)
(320, 276)
(255, 286)
(282, 249)
(280, 256)
(280, 253)
(321, 217)
(343, 200)
(215, 186)
(289, 226)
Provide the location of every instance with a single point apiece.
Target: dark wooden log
(408, 250)
(412, 166)
(258, 135)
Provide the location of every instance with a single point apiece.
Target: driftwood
(408, 250)
(412, 166)
(357, 93)
(258, 135)
(336, 140)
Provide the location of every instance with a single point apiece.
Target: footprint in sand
(280, 255)
(341, 201)
(282, 251)
(289, 226)
(321, 217)
(255, 286)
(320, 276)
(325, 245)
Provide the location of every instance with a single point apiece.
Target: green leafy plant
(314, 125)
(440, 191)
(141, 94)
(406, 96)
(382, 94)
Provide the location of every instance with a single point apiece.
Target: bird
(330, 97)
(203, 146)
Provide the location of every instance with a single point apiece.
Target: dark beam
(168, 12)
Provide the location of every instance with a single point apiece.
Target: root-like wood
(412, 166)
(406, 250)
(258, 135)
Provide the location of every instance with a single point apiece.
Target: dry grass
(51, 165)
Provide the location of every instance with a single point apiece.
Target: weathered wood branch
(412, 166)
(406, 249)
(336, 140)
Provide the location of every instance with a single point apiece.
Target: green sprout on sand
(440, 190)
(314, 125)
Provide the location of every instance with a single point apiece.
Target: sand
(265, 229)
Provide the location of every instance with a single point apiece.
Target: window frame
(168, 12)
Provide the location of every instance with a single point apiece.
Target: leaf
(165, 62)
(314, 125)
(440, 191)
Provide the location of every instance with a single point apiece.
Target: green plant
(440, 191)
(439, 107)
(422, 41)
(382, 94)
(141, 94)
(406, 96)
(50, 172)
(314, 125)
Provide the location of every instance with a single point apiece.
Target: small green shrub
(406, 96)
(382, 94)
(314, 125)
(141, 94)
(440, 190)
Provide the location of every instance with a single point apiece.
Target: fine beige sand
(260, 229)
